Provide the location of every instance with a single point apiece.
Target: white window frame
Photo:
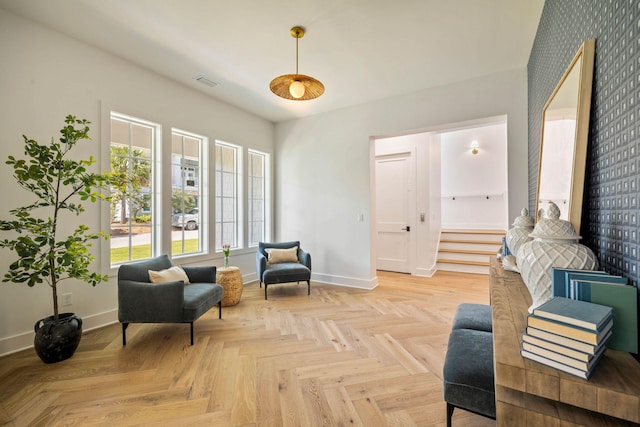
(265, 198)
(154, 192)
(203, 204)
(238, 173)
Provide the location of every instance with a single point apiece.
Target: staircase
(468, 251)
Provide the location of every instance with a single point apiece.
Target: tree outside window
(132, 216)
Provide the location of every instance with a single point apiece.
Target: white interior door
(393, 206)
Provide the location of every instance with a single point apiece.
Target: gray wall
(610, 213)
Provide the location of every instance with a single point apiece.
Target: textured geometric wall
(610, 217)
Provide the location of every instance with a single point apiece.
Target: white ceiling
(362, 50)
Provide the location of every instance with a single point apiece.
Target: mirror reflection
(564, 139)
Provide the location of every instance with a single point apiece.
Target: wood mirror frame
(564, 138)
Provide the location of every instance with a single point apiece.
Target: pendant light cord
(297, 38)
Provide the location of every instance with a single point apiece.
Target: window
(132, 216)
(256, 197)
(227, 184)
(187, 202)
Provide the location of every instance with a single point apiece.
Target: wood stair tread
(480, 242)
(465, 251)
(475, 231)
(463, 262)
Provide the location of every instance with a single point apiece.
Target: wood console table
(532, 394)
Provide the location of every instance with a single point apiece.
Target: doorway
(395, 179)
(431, 180)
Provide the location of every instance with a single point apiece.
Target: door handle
(407, 228)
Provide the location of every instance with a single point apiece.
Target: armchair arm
(140, 302)
(304, 258)
(201, 273)
(261, 264)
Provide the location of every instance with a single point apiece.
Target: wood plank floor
(340, 357)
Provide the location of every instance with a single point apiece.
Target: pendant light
(296, 87)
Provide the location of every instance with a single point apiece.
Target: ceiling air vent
(205, 81)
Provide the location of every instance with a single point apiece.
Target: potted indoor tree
(60, 185)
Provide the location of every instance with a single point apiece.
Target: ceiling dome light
(297, 87)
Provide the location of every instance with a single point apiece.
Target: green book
(624, 301)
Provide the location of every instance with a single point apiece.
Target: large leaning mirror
(565, 131)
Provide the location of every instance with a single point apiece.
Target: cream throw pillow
(172, 274)
(283, 255)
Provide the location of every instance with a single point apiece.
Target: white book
(553, 364)
(570, 352)
(560, 358)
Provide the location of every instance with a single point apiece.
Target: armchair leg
(308, 287)
(124, 333)
(265, 291)
(450, 409)
(191, 323)
(260, 282)
(220, 310)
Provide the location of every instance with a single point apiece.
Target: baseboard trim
(24, 341)
(425, 272)
(349, 282)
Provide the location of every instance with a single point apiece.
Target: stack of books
(569, 335)
(602, 288)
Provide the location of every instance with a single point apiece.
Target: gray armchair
(140, 301)
(282, 272)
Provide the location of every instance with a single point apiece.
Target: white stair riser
(463, 257)
(463, 268)
(471, 246)
(475, 237)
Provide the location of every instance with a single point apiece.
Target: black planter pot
(57, 340)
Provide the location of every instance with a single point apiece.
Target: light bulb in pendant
(296, 89)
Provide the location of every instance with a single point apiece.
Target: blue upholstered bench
(473, 316)
(468, 373)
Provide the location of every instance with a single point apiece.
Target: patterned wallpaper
(610, 217)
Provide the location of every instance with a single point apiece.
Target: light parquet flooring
(340, 357)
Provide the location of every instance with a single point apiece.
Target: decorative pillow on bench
(282, 255)
(172, 274)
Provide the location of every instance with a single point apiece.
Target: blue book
(602, 278)
(576, 313)
(624, 302)
(559, 282)
(589, 336)
(567, 346)
(565, 341)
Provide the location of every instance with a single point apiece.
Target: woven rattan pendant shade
(281, 85)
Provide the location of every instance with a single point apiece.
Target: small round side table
(230, 279)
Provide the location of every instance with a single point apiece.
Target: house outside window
(187, 202)
(132, 147)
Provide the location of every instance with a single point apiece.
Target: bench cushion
(473, 316)
(286, 272)
(199, 298)
(468, 372)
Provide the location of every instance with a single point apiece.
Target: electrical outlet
(66, 299)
